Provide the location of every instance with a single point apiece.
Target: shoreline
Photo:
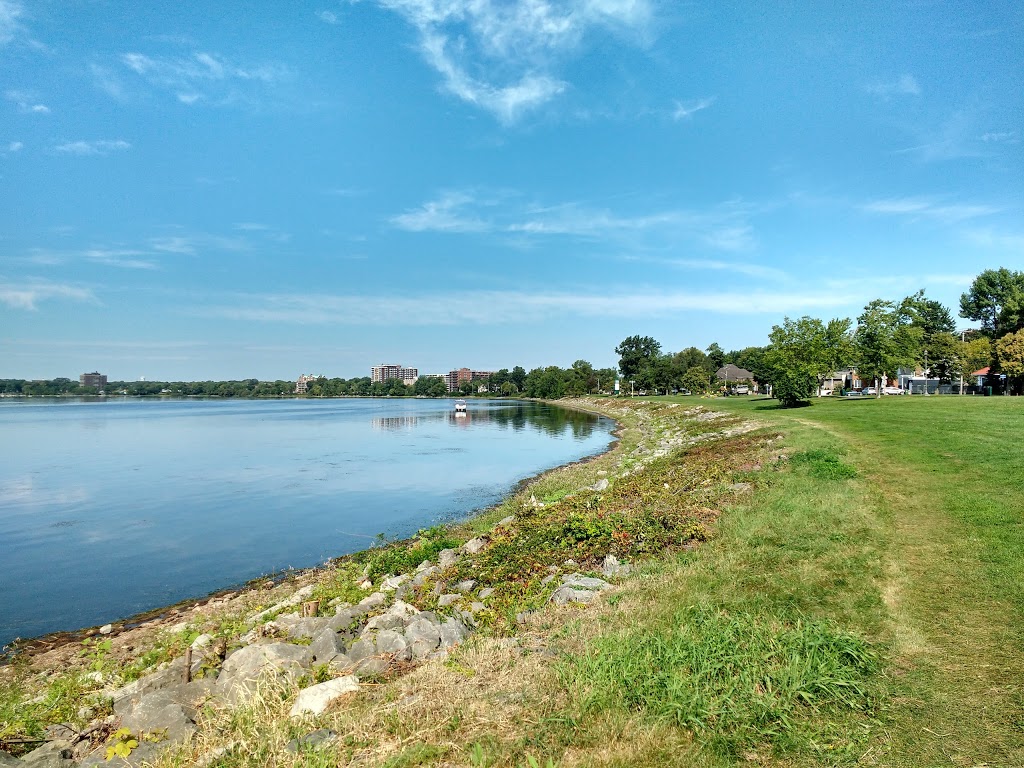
(168, 615)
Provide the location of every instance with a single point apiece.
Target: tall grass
(736, 680)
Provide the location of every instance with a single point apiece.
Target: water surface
(115, 507)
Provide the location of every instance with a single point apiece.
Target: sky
(230, 190)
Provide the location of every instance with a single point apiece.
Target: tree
(1010, 355)
(635, 355)
(884, 341)
(802, 353)
(518, 377)
(945, 356)
(996, 300)
(716, 357)
(696, 380)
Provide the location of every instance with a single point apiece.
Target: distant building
(94, 379)
(385, 372)
(455, 378)
(302, 385)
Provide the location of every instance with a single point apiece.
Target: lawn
(945, 479)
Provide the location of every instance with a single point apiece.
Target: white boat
(460, 406)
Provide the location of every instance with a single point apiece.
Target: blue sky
(254, 189)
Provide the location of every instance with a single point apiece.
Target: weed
(824, 463)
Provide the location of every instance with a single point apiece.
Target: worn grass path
(947, 479)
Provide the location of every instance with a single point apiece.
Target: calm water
(111, 508)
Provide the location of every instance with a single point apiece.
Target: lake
(115, 507)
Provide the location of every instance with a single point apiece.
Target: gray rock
(173, 674)
(474, 546)
(578, 581)
(388, 641)
(6, 761)
(447, 557)
(600, 485)
(144, 754)
(325, 646)
(160, 712)
(370, 667)
(339, 662)
(106, 629)
(202, 641)
(506, 521)
(476, 606)
(423, 637)
(423, 566)
(384, 621)
(243, 668)
(404, 610)
(363, 648)
(308, 627)
(741, 487)
(391, 583)
(428, 615)
(315, 699)
(486, 592)
(464, 586)
(423, 576)
(374, 600)
(315, 740)
(564, 595)
(297, 597)
(403, 591)
(612, 568)
(548, 579)
(344, 620)
(452, 633)
(445, 600)
(53, 754)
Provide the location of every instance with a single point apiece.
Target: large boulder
(423, 637)
(271, 661)
(316, 698)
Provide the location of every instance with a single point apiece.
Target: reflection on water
(149, 502)
(516, 415)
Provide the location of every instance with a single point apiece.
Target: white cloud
(328, 17)
(27, 103)
(999, 137)
(502, 56)
(921, 207)
(492, 307)
(686, 110)
(125, 259)
(904, 85)
(441, 216)
(15, 146)
(1011, 243)
(10, 26)
(204, 77)
(101, 147)
(723, 227)
(28, 295)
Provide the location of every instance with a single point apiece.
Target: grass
(836, 585)
(945, 477)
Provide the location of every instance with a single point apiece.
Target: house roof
(732, 372)
(983, 372)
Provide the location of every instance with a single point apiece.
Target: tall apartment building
(384, 372)
(455, 378)
(94, 379)
(302, 385)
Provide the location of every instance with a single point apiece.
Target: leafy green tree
(1010, 356)
(802, 353)
(885, 340)
(945, 357)
(996, 300)
(716, 356)
(696, 380)
(518, 377)
(636, 354)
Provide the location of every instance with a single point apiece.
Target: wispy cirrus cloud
(27, 102)
(100, 147)
(121, 258)
(29, 294)
(492, 307)
(917, 207)
(686, 109)
(15, 146)
(904, 85)
(328, 17)
(722, 227)
(1009, 242)
(11, 13)
(504, 57)
(203, 77)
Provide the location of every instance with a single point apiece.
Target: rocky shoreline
(290, 635)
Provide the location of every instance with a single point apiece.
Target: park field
(942, 484)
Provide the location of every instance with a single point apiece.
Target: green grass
(944, 477)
